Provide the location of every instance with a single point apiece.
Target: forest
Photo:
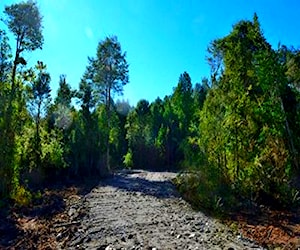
(235, 136)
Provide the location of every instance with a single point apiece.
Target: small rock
(109, 248)
(59, 236)
(71, 211)
(178, 236)
(192, 235)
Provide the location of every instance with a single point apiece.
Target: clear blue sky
(162, 38)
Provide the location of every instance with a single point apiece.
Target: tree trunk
(38, 137)
(108, 129)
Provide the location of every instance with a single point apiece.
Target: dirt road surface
(142, 210)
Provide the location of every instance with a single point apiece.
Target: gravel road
(142, 210)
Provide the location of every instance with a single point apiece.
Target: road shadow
(128, 183)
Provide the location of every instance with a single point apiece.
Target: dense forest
(237, 133)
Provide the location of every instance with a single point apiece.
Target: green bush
(21, 196)
(206, 190)
(128, 162)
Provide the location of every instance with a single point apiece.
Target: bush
(128, 162)
(21, 196)
(207, 191)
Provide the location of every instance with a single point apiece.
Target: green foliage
(64, 93)
(39, 94)
(5, 55)
(105, 76)
(25, 22)
(243, 131)
(207, 190)
(51, 149)
(139, 136)
(128, 162)
(158, 133)
(21, 196)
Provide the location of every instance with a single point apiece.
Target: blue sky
(162, 38)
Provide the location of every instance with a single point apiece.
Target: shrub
(21, 196)
(128, 162)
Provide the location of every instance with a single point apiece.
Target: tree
(141, 133)
(64, 93)
(123, 109)
(24, 21)
(177, 117)
(108, 72)
(243, 128)
(84, 147)
(61, 111)
(199, 93)
(5, 66)
(40, 99)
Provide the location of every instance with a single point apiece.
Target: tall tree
(40, 99)
(109, 73)
(24, 21)
(62, 115)
(243, 126)
(85, 130)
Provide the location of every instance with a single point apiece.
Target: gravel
(142, 210)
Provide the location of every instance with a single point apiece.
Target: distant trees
(64, 93)
(158, 133)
